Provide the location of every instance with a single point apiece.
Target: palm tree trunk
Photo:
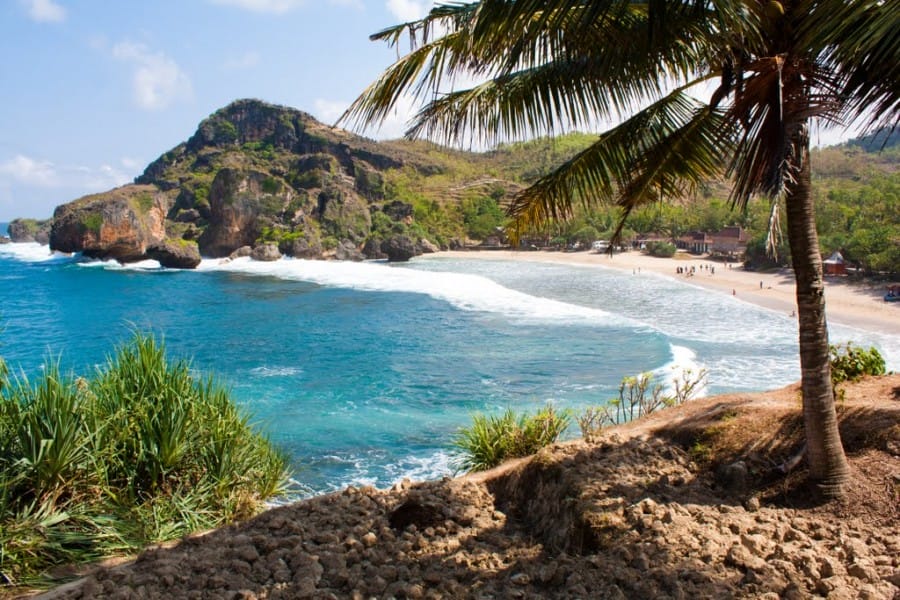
(828, 466)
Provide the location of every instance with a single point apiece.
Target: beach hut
(834, 264)
(730, 241)
(695, 242)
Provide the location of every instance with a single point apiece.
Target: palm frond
(564, 93)
(666, 148)
(560, 66)
(859, 42)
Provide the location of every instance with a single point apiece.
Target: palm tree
(770, 68)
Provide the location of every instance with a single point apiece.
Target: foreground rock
(638, 513)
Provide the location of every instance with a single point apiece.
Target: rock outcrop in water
(258, 175)
(29, 230)
(121, 224)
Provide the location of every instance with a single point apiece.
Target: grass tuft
(492, 439)
(141, 452)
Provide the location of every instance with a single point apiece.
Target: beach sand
(847, 303)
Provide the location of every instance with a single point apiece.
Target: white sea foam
(114, 265)
(464, 291)
(32, 252)
(267, 371)
(683, 367)
(423, 468)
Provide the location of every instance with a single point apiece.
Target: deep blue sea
(364, 371)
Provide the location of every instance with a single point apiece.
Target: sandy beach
(851, 304)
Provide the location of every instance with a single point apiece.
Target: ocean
(364, 372)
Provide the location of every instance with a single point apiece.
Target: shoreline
(849, 304)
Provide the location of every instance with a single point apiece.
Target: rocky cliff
(29, 230)
(257, 175)
(126, 224)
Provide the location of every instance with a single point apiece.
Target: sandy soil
(848, 303)
(687, 503)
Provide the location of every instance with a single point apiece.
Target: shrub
(661, 249)
(92, 222)
(270, 185)
(850, 362)
(638, 398)
(482, 216)
(492, 439)
(140, 453)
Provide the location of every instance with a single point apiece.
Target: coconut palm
(769, 69)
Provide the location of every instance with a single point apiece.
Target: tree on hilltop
(774, 67)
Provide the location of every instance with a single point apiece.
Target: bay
(363, 372)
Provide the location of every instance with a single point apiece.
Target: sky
(92, 91)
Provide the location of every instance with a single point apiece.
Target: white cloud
(408, 10)
(44, 11)
(24, 170)
(157, 80)
(246, 61)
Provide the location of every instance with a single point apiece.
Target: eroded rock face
(399, 248)
(347, 250)
(344, 212)
(30, 230)
(175, 254)
(241, 252)
(306, 247)
(372, 249)
(266, 252)
(428, 247)
(120, 224)
(239, 202)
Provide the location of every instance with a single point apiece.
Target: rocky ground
(685, 504)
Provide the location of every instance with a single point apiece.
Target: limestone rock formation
(241, 252)
(255, 174)
(347, 250)
(239, 202)
(428, 247)
(266, 252)
(175, 254)
(29, 230)
(372, 249)
(120, 224)
(399, 248)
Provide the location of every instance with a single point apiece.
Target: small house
(834, 264)
(696, 242)
(730, 241)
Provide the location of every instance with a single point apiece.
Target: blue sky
(93, 90)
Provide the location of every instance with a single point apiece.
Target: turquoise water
(363, 372)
